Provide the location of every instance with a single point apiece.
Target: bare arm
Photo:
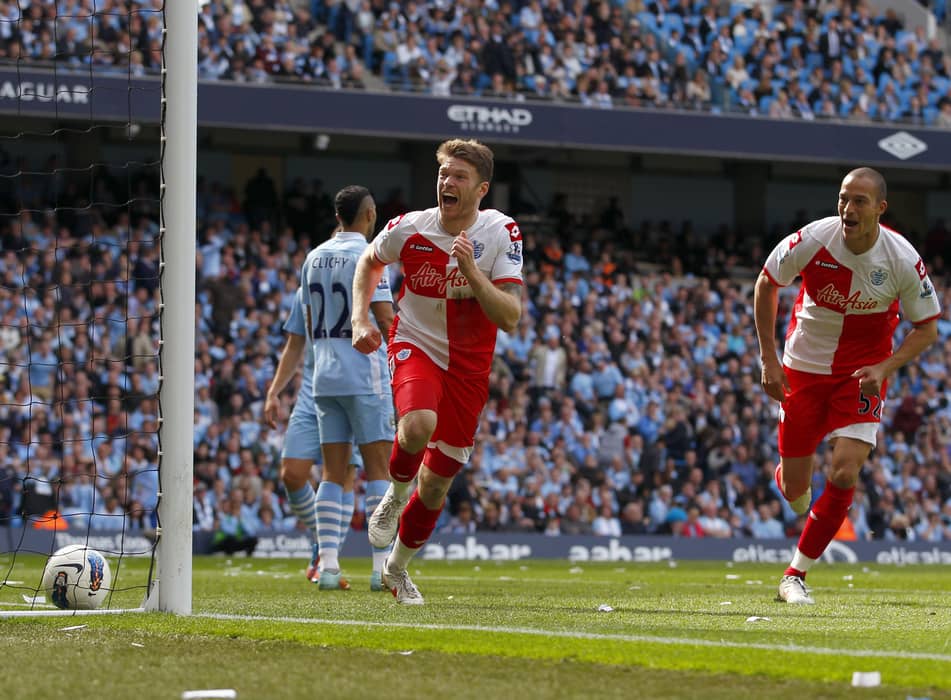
(919, 339)
(286, 367)
(369, 272)
(384, 314)
(765, 299)
(502, 303)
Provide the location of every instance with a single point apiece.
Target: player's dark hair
(877, 179)
(349, 201)
(473, 152)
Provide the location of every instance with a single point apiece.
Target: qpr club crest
(478, 248)
(877, 277)
(403, 354)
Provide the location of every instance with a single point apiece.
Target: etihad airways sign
(501, 120)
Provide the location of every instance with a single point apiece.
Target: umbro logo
(903, 145)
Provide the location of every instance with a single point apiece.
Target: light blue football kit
(352, 390)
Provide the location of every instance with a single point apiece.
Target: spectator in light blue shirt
(765, 525)
(649, 424)
(42, 370)
(575, 260)
(582, 386)
(606, 377)
(109, 514)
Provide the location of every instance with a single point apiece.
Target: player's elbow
(929, 332)
(510, 322)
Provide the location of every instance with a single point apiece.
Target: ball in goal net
(97, 189)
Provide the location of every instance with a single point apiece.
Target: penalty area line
(639, 638)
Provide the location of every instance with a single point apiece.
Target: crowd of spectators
(801, 59)
(626, 402)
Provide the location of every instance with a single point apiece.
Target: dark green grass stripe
(648, 639)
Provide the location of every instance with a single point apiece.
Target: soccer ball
(77, 578)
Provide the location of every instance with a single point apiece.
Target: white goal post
(170, 585)
(172, 589)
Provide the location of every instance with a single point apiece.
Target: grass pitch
(540, 629)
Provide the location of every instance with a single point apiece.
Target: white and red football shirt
(848, 305)
(438, 312)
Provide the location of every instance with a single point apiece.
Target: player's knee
(415, 429)
(796, 477)
(294, 473)
(844, 473)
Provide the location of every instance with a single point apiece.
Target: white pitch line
(489, 577)
(647, 639)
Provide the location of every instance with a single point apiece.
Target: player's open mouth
(449, 200)
(849, 225)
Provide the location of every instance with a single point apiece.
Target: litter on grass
(73, 628)
(604, 607)
(866, 679)
(757, 618)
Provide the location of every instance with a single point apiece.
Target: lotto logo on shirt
(515, 233)
(920, 269)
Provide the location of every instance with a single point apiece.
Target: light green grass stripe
(648, 639)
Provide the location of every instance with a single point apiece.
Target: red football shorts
(457, 399)
(820, 404)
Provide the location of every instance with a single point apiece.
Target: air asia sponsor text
(428, 277)
(833, 297)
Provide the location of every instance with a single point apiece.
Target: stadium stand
(658, 422)
(803, 60)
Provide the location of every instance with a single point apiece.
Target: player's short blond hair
(473, 152)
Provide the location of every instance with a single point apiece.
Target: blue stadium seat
(848, 67)
(647, 20)
(793, 41)
(931, 113)
(813, 61)
(743, 44)
(672, 21)
(940, 9)
(390, 67)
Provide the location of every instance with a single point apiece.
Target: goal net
(95, 368)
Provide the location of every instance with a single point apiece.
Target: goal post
(97, 299)
(179, 126)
